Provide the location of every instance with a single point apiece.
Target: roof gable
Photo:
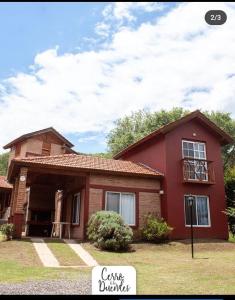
(39, 132)
(223, 137)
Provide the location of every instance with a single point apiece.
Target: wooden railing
(198, 170)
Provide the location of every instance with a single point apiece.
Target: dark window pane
(113, 202)
(202, 211)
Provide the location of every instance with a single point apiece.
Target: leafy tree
(225, 122)
(102, 154)
(139, 124)
(230, 193)
(4, 163)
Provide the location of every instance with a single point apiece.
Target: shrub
(107, 231)
(7, 230)
(230, 212)
(155, 229)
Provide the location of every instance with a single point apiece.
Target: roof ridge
(38, 132)
(34, 158)
(43, 156)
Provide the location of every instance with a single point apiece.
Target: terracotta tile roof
(88, 162)
(4, 184)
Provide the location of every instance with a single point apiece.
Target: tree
(4, 163)
(139, 124)
(230, 195)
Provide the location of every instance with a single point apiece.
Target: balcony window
(195, 165)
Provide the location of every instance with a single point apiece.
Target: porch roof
(88, 163)
(4, 184)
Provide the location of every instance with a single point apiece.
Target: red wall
(165, 154)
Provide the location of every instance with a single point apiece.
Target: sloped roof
(4, 184)
(222, 135)
(89, 163)
(34, 133)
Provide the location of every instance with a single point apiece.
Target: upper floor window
(195, 165)
(196, 150)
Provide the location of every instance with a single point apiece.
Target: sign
(113, 280)
(22, 178)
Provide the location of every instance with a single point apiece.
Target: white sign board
(113, 280)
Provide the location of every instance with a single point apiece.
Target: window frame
(78, 208)
(194, 158)
(120, 204)
(194, 142)
(208, 211)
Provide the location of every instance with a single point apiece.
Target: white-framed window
(123, 204)
(200, 211)
(196, 150)
(76, 205)
(196, 166)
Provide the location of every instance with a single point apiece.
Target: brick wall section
(21, 195)
(148, 202)
(125, 181)
(95, 201)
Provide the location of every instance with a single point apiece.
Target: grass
(169, 269)
(19, 262)
(64, 254)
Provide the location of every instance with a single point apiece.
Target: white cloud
(102, 29)
(126, 10)
(178, 61)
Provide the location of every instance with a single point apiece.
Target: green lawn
(169, 269)
(64, 254)
(19, 262)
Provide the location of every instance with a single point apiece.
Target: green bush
(155, 229)
(7, 230)
(106, 229)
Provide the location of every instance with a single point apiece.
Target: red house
(53, 184)
(188, 153)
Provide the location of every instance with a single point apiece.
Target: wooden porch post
(58, 209)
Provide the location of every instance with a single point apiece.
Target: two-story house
(156, 174)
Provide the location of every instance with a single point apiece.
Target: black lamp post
(191, 199)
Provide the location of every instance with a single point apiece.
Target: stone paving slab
(46, 256)
(80, 251)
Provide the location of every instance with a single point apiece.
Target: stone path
(46, 256)
(80, 251)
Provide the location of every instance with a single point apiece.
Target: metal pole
(191, 217)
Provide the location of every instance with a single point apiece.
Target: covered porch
(49, 202)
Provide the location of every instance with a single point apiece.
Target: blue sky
(74, 65)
